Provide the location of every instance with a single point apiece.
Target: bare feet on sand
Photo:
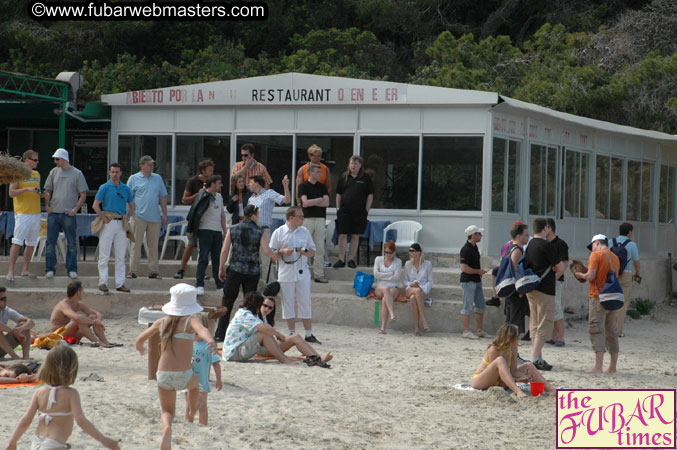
(593, 370)
(328, 357)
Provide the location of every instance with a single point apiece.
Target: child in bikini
(499, 365)
(175, 371)
(57, 405)
(202, 362)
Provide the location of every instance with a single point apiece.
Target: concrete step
(340, 309)
(441, 291)
(441, 275)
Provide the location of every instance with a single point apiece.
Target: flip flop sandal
(92, 377)
(9, 278)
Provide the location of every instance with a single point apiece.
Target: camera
(300, 249)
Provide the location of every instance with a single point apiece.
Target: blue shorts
(472, 293)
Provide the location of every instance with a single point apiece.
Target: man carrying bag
(602, 264)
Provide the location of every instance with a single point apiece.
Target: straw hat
(183, 301)
(12, 170)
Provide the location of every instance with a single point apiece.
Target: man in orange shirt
(601, 321)
(315, 156)
(249, 167)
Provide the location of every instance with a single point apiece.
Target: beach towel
(524, 387)
(13, 385)
(268, 358)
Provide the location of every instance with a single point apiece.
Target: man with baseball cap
(149, 191)
(65, 192)
(601, 321)
(471, 283)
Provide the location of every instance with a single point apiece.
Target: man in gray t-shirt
(11, 337)
(65, 192)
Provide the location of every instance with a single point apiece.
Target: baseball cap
(472, 229)
(61, 153)
(598, 237)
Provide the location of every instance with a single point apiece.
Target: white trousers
(112, 234)
(296, 292)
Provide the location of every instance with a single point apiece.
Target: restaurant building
(447, 158)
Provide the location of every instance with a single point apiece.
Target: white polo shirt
(285, 237)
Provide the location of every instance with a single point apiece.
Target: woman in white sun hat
(175, 370)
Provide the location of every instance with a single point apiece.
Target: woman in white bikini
(175, 370)
(57, 405)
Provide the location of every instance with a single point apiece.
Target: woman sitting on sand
(499, 365)
(267, 315)
(387, 282)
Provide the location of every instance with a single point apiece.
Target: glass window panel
(392, 163)
(616, 194)
(664, 194)
(513, 177)
(498, 174)
(602, 171)
(542, 180)
(647, 204)
(583, 199)
(190, 150)
(132, 148)
(634, 190)
(452, 173)
(575, 184)
(336, 152)
(274, 152)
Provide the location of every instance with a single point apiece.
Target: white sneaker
(72, 275)
(470, 335)
(481, 334)
(200, 290)
(49, 274)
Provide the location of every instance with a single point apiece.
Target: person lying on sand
(16, 373)
(499, 365)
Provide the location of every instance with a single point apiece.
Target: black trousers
(234, 280)
(515, 309)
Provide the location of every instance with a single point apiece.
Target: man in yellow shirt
(26, 195)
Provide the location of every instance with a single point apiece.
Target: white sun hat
(183, 301)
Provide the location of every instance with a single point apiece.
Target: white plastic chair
(407, 233)
(41, 243)
(181, 237)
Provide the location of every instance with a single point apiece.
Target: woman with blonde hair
(387, 282)
(418, 281)
(499, 365)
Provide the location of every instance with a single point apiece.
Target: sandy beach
(383, 391)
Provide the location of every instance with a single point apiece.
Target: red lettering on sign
(374, 94)
(356, 94)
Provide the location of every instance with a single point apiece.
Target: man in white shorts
(293, 245)
(26, 195)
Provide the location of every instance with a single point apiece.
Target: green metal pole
(62, 126)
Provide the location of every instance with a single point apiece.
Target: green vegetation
(643, 306)
(612, 60)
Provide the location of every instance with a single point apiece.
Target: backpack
(611, 295)
(621, 252)
(527, 279)
(505, 278)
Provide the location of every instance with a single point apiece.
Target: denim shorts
(472, 293)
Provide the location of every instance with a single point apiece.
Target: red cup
(536, 388)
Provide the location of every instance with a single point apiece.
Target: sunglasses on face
(245, 155)
(267, 306)
(34, 159)
(57, 159)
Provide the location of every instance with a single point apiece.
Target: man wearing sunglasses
(11, 337)
(249, 167)
(26, 195)
(65, 192)
(114, 203)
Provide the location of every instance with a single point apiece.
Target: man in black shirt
(541, 257)
(471, 283)
(314, 200)
(193, 187)
(562, 250)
